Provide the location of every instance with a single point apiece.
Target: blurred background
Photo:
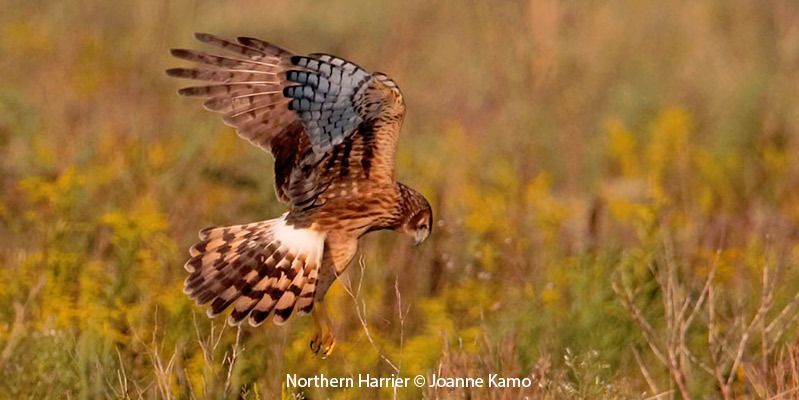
(615, 184)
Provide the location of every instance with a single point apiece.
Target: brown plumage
(332, 128)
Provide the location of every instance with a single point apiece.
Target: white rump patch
(300, 241)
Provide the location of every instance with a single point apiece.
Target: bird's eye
(423, 227)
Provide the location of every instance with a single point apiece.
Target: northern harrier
(332, 128)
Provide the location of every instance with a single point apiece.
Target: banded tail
(261, 269)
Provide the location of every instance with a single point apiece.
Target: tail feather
(260, 269)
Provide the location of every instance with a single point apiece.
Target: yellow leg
(323, 341)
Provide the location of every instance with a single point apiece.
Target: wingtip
(187, 91)
(179, 53)
(247, 40)
(174, 72)
(204, 37)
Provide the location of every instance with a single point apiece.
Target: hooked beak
(420, 236)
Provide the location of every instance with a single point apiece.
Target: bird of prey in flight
(332, 128)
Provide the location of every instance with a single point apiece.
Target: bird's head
(418, 215)
(421, 225)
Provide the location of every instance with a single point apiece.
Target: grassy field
(616, 186)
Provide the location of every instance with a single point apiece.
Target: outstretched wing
(323, 118)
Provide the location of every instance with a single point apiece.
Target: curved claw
(323, 341)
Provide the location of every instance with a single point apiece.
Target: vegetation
(615, 186)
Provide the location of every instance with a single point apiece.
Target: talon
(328, 347)
(323, 340)
(323, 343)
